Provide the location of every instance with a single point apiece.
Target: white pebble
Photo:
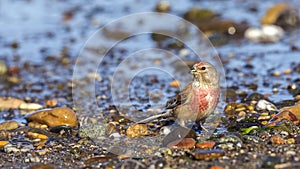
(265, 105)
(184, 52)
(267, 33)
(165, 130)
(30, 106)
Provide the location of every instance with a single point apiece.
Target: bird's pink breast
(204, 99)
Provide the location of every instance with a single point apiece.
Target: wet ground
(42, 43)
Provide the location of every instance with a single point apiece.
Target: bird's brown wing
(180, 98)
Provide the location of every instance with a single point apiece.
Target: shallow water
(41, 31)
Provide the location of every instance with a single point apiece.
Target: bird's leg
(168, 113)
(200, 124)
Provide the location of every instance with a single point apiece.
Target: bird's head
(205, 73)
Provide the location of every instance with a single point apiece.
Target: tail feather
(168, 113)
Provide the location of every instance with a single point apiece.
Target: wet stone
(3, 68)
(206, 145)
(41, 166)
(208, 154)
(3, 143)
(196, 15)
(131, 163)
(252, 139)
(10, 103)
(286, 126)
(270, 161)
(162, 6)
(229, 142)
(265, 34)
(216, 167)
(62, 129)
(284, 115)
(297, 139)
(97, 160)
(51, 103)
(30, 106)
(265, 105)
(137, 130)
(92, 131)
(54, 117)
(277, 139)
(281, 14)
(185, 143)
(175, 83)
(293, 109)
(254, 97)
(110, 129)
(37, 136)
(9, 125)
(11, 148)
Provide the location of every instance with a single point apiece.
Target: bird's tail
(166, 114)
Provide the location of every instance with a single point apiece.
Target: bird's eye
(203, 68)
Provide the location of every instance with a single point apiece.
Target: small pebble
(30, 106)
(41, 166)
(37, 136)
(137, 130)
(3, 68)
(10, 103)
(184, 52)
(163, 6)
(206, 145)
(276, 74)
(165, 130)
(3, 143)
(9, 125)
(185, 143)
(277, 139)
(54, 117)
(265, 105)
(208, 154)
(175, 83)
(287, 71)
(51, 103)
(93, 131)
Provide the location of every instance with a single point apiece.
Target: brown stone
(97, 160)
(294, 109)
(9, 125)
(284, 115)
(208, 154)
(175, 83)
(276, 139)
(206, 145)
(3, 143)
(185, 143)
(54, 117)
(137, 130)
(273, 13)
(281, 14)
(216, 167)
(297, 139)
(37, 136)
(51, 103)
(10, 103)
(41, 166)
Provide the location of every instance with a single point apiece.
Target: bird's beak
(193, 71)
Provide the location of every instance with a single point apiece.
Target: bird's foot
(202, 127)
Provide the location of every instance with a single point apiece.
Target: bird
(197, 100)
